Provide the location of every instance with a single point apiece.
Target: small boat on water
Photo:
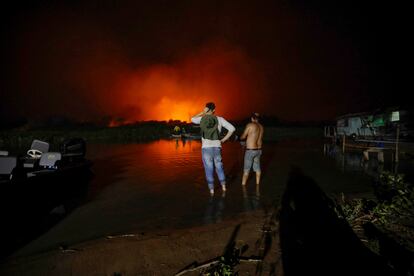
(180, 132)
(187, 136)
(191, 136)
(39, 188)
(41, 165)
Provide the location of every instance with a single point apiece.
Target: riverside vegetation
(140, 132)
(385, 224)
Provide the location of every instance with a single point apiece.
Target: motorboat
(40, 164)
(37, 184)
(191, 136)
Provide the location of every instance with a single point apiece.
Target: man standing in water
(253, 133)
(211, 127)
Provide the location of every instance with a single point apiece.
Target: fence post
(396, 144)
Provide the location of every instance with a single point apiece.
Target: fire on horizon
(138, 61)
(178, 91)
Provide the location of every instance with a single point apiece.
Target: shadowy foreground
(162, 253)
(301, 236)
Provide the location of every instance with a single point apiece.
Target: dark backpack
(209, 127)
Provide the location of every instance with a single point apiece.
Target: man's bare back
(253, 134)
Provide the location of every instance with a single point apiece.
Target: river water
(161, 185)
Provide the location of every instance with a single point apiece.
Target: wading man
(253, 133)
(211, 126)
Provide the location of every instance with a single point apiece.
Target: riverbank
(22, 137)
(144, 132)
(165, 252)
(303, 234)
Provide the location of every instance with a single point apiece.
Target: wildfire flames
(181, 90)
(98, 80)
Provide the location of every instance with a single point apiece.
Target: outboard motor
(74, 148)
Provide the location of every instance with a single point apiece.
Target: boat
(191, 136)
(39, 164)
(40, 180)
(39, 188)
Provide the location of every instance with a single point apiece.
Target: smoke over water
(77, 71)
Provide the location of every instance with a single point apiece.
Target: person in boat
(211, 126)
(177, 130)
(253, 134)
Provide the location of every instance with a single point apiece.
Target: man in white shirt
(211, 127)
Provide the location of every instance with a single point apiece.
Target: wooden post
(343, 162)
(396, 144)
(343, 143)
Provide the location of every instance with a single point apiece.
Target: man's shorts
(252, 158)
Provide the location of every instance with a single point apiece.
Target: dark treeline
(55, 130)
(63, 122)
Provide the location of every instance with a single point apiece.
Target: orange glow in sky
(115, 64)
(104, 87)
(176, 110)
(178, 91)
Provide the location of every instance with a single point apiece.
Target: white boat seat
(49, 159)
(7, 165)
(4, 153)
(40, 146)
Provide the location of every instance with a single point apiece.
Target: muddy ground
(160, 253)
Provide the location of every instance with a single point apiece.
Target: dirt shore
(165, 252)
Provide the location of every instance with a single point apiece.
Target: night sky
(160, 60)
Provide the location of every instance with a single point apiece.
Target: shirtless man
(253, 133)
